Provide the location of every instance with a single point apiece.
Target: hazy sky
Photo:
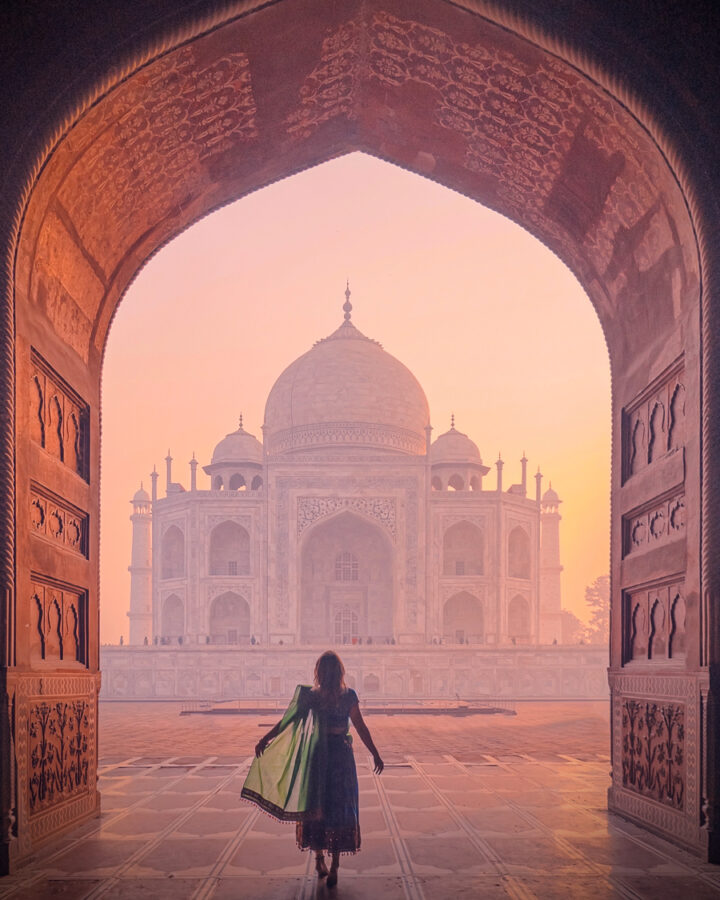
(495, 328)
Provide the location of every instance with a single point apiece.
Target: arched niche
(172, 554)
(464, 549)
(229, 619)
(519, 558)
(463, 620)
(346, 581)
(584, 152)
(172, 619)
(518, 619)
(237, 482)
(229, 550)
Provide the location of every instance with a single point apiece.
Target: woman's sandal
(332, 877)
(321, 868)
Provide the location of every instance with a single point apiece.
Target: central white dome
(346, 393)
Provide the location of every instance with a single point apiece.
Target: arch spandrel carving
(503, 122)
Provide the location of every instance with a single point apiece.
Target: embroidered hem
(277, 812)
(314, 836)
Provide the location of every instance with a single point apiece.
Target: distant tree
(571, 627)
(597, 597)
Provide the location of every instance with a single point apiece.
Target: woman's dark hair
(330, 675)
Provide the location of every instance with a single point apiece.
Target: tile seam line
(612, 881)
(621, 824)
(517, 889)
(33, 879)
(209, 883)
(410, 881)
(113, 879)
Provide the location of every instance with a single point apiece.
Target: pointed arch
(229, 619)
(229, 550)
(518, 619)
(172, 619)
(463, 619)
(173, 553)
(519, 558)
(464, 549)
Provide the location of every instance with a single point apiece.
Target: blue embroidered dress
(307, 773)
(338, 828)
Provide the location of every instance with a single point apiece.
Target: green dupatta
(284, 781)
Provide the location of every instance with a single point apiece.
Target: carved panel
(58, 761)
(242, 590)
(654, 423)
(166, 122)
(59, 417)
(450, 588)
(58, 520)
(655, 524)
(245, 521)
(59, 624)
(311, 509)
(57, 764)
(654, 623)
(653, 761)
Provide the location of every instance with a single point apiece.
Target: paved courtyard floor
(451, 817)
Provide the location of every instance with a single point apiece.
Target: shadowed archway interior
(452, 95)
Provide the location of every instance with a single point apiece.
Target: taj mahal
(347, 524)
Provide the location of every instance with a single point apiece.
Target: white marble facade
(346, 525)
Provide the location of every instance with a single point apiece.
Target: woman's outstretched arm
(265, 739)
(365, 737)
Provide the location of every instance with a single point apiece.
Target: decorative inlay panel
(59, 629)
(339, 434)
(58, 752)
(654, 622)
(654, 423)
(311, 509)
(450, 588)
(653, 761)
(165, 123)
(556, 152)
(55, 728)
(59, 417)
(58, 520)
(654, 524)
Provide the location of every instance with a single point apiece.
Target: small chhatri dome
(238, 447)
(454, 447)
(141, 496)
(346, 393)
(550, 497)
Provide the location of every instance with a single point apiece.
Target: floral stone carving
(58, 752)
(653, 758)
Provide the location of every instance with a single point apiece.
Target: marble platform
(434, 827)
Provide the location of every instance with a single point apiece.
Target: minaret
(140, 569)
(550, 568)
(168, 472)
(193, 469)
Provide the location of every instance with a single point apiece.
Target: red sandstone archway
(484, 105)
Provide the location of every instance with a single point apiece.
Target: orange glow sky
(495, 328)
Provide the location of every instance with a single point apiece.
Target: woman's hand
(261, 745)
(379, 764)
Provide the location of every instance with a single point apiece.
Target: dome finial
(240, 424)
(452, 421)
(347, 305)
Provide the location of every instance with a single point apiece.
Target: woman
(308, 773)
